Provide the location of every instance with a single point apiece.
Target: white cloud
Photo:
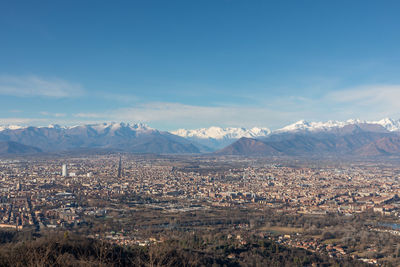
(57, 115)
(89, 115)
(368, 95)
(366, 103)
(21, 121)
(29, 86)
(369, 102)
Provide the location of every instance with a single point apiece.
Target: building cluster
(68, 192)
(51, 192)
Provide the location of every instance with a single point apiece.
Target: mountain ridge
(358, 143)
(356, 137)
(136, 138)
(217, 137)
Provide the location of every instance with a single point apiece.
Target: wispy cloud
(122, 98)
(50, 114)
(22, 121)
(29, 86)
(368, 95)
(15, 111)
(372, 101)
(60, 120)
(90, 115)
(366, 102)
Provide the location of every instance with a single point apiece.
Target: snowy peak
(114, 128)
(140, 126)
(219, 133)
(99, 126)
(136, 138)
(297, 126)
(11, 127)
(317, 126)
(388, 124)
(100, 129)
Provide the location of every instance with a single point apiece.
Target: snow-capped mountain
(10, 127)
(387, 124)
(222, 133)
(112, 128)
(141, 138)
(217, 137)
(231, 133)
(332, 138)
(99, 127)
(138, 138)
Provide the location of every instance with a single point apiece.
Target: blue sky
(191, 63)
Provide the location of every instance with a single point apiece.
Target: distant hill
(10, 147)
(249, 147)
(389, 145)
(348, 141)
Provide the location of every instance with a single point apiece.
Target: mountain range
(137, 138)
(216, 138)
(332, 138)
(351, 138)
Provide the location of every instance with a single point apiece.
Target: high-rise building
(120, 167)
(64, 172)
(19, 187)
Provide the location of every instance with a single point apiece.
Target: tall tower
(120, 167)
(64, 172)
